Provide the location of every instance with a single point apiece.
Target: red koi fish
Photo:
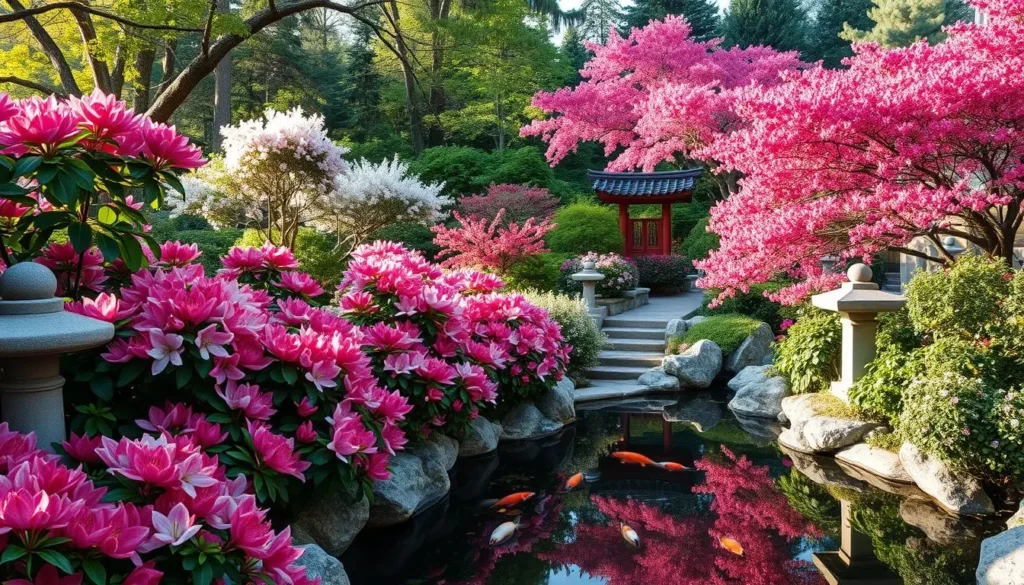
(731, 545)
(513, 499)
(629, 535)
(671, 466)
(634, 458)
(572, 482)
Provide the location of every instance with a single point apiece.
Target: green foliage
(728, 331)
(752, 303)
(578, 329)
(212, 243)
(808, 356)
(700, 242)
(889, 441)
(823, 37)
(378, 148)
(895, 328)
(900, 23)
(520, 166)
(318, 254)
(701, 14)
(415, 236)
(776, 23)
(961, 301)
(540, 272)
(586, 227)
(812, 501)
(685, 217)
(620, 274)
(466, 170)
(880, 391)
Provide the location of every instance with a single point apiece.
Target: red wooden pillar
(625, 227)
(666, 228)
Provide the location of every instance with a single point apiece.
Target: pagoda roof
(641, 185)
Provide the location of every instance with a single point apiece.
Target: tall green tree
(824, 40)
(573, 51)
(780, 24)
(600, 17)
(899, 23)
(701, 14)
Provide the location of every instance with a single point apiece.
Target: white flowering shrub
(370, 196)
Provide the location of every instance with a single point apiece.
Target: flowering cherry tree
(519, 203)
(656, 95)
(70, 165)
(919, 142)
(490, 245)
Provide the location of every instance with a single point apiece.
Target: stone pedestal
(34, 332)
(589, 278)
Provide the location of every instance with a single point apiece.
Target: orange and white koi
(671, 466)
(503, 532)
(572, 482)
(629, 535)
(731, 545)
(513, 500)
(634, 458)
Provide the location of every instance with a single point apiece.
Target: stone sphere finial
(27, 281)
(859, 273)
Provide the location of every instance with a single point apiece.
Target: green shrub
(896, 329)
(685, 217)
(880, 391)
(663, 273)
(700, 242)
(317, 253)
(752, 303)
(185, 223)
(578, 328)
(415, 236)
(212, 243)
(964, 300)
(378, 148)
(808, 356)
(519, 166)
(540, 272)
(460, 167)
(586, 227)
(728, 331)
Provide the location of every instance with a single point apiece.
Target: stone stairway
(634, 347)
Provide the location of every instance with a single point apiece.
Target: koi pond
(739, 510)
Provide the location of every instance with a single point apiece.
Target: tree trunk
(167, 65)
(144, 68)
(117, 73)
(411, 103)
(439, 10)
(100, 73)
(53, 52)
(222, 89)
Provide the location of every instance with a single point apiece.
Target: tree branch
(46, 42)
(209, 28)
(42, 88)
(22, 13)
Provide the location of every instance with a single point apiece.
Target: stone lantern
(589, 278)
(858, 303)
(952, 246)
(34, 331)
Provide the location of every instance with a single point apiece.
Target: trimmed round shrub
(963, 300)
(663, 273)
(808, 355)
(414, 236)
(753, 303)
(318, 252)
(700, 242)
(620, 274)
(586, 227)
(728, 331)
(578, 328)
(540, 272)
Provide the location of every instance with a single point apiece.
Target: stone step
(634, 333)
(642, 345)
(628, 322)
(608, 390)
(632, 359)
(616, 373)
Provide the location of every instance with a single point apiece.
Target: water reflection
(799, 520)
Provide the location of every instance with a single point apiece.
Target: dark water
(784, 510)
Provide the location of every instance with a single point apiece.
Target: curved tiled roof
(641, 184)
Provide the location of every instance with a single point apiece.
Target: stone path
(636, 344)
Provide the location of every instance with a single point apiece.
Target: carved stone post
(589, 278)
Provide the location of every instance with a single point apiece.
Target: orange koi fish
(731, 545)
(635, 458)
(629, 535)
(671, 466)
(503, 532)
(513, 499)
(572, 482)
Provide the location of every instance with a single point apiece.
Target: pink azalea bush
(620, 274)
(492, 245)
(519, 202)
(133, 511)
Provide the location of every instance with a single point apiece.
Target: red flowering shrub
(520, 203)
(663, 273)
(135, 511)
(490, 245)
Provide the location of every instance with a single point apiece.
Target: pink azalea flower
(349, 435)
(205, 433)
(105, 307)
(144, 575)
(40, 126)
(194, 472)
(166, 149)
(82, 449)
(278, 257)
(47, 575)
(306, 408)
(176, 528)
(128, 532)
(305, 433)
(170, 417)
(21, 509)
(166, 349)
(323, 374)
(211, 342)
(148, 460)
(301, 283)
(103, 115)
(178, 254)
(437, 371)
(248, 399)
(277, 452)
(226, 368)
(249, 532)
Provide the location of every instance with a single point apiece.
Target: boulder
(1002, 559)
(955, 491)
(792, 440)
(694, 320)
(414, 484)
(697, 366)
(557, 403)
(702, 412)
(746, 376)
(675, 327)
(752, 350)
(801, 407)
(318, 563)
(769, 358)
(762, 399)
(880, 462)
(762, 431)
(438, 452)
(824, 471)
(526, 421)
(332, 518)
(1017, 519)
(657, 380)
(481, 437)
(827, 433)
(936, 523)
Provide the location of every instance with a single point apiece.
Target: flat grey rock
(762, 399)
(823, 470)
(826, 433)
(752, 350)
(794, 442)
(657, 379)
(332, 518)
(701, 412)
(955, 491)
(1002, 559)
(413, 485)
(697, 366)
(880, 462)
(526, 421)
(746, 376)
(319, 564)
(675, 327)
(557, 403)
(694, 320)
(481, 437)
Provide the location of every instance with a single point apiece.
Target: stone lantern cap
(859, 295)
(588, 274)
(34, 322)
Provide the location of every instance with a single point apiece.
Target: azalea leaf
(95, 571)
(13, 552)
(56, 559)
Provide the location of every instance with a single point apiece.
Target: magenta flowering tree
(71, 165)
(918, 142)
(490, 244)
(519, 202)
(657, 95)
